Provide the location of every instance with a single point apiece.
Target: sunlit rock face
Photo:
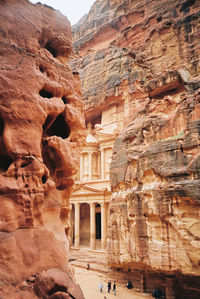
(144, 56)
(41, 128)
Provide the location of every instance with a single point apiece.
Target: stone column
(81, 167)
(103, 226)
(90, 167)
(102, 164)
(77, 224)
(107, 215)
(92, 226)
(71, 231)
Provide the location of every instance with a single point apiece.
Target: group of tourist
(109, 287)
(129, 285)
(156, 293)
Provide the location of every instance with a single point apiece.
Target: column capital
(102, 149)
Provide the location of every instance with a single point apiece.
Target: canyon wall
(41, 131)
(143, 58)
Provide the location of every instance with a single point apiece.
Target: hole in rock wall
(65, 100)
(53, 127)
(41, 68)
(46, 94)
(44, 178)
(51, 49)
(5, 162)
(25, 163)
(167, 89)
(59, 128)
(159, 19)
(1, 126)
(61, 187)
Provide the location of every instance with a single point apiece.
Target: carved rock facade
(41, 130)
(143, 58)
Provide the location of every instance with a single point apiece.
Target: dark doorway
(98, 225)
(84, 224)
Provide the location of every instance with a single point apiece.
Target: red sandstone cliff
(143, 56)
(41, 130)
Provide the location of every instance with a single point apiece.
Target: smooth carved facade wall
(91, 192)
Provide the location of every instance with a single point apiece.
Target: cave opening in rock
(61, 187)
(51, 49)
(46, 94)
(59, 128)
(41, 68)
(5, 162)
(26, 162)
(65, 100)
(44, 178)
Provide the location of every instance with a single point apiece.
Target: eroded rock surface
(143, 57)
(41, 130)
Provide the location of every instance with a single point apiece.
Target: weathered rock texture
(143, 56)
(41, 130)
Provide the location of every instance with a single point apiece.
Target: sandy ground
(89, 281)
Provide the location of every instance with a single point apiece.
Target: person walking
(109, 286)
(101, 287)
(114, 288)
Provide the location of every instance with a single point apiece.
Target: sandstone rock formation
(41, 130)
(143, 57)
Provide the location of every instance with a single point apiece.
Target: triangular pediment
(85, 189)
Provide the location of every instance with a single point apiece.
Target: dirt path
(90, 279)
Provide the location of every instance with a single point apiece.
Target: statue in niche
(95, 171)
(107, 166)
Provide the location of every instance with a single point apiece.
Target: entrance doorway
(98, 225)
(85, 225)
